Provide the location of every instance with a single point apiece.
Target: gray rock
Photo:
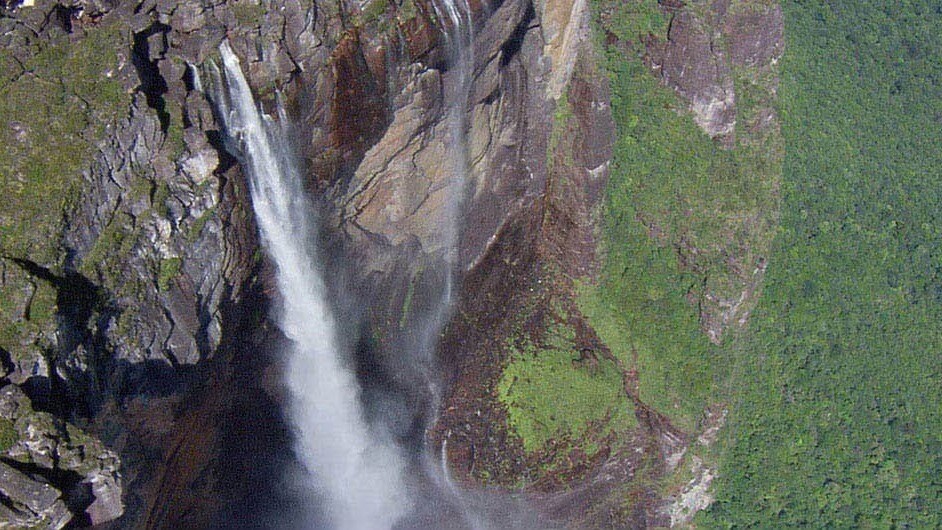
(50, 444)
(38, 501)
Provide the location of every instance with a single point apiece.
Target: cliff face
(137, 352)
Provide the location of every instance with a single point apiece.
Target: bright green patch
(114, 243)
(631, 20)
(169, 269)
(548, 393)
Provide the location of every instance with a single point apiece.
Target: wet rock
(397, 192)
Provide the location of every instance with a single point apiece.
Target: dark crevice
(6, 362)
(515, 42)
(61, 16)
(150, 379)
(217, 140)
(492, 97)
(5, 501)
(152, 84)
(77, 298)
(189, 82)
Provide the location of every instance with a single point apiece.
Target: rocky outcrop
(52, 473)
(706, 46)
(143, 245)
(30, 503)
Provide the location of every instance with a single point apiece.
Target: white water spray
(359, 471)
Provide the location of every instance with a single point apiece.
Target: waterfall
(456, 25)
(359, 471)
(461, 42)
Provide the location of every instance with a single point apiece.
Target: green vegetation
(58, 101)
(196, 229)
(26, 310)
(838, 416)
(678, 206)
(550, 393)
(835, 417)
(116, 239)
(374, 10)
(55, 109)
(8, 435)
(406, 11)
(561, 119)
(168, 270)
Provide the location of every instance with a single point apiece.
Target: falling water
(460, 33)
(358, 470)
(460, 36)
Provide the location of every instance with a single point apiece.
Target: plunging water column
(358, 471)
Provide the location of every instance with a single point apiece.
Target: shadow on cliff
(226, 459)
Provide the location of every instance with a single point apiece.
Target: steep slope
(596, 339)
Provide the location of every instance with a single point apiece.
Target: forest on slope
(832, 387)
(837, 414)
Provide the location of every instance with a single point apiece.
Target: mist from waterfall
(358, 470)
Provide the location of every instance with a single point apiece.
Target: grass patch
(548, 395)
(169, 269)
(8, 435)
(196, 229)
